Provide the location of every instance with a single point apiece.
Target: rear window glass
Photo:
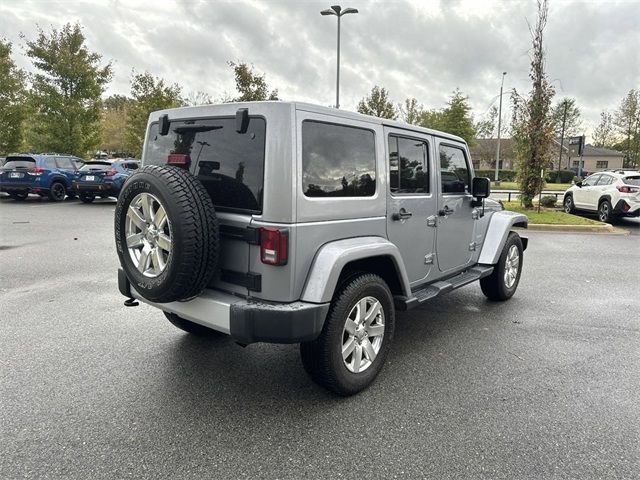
(19, 162)
(337, 160)
(87, 167)
(229, 164)
(635, 180)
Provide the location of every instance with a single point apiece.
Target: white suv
(612, 194)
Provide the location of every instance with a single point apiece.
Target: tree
(114, 123)
(532, 124)
(198, 98)
(148, 94)
(627, 121)
(572, 121)
(433, 119)
(485, 128)
(604, 134)
(12, 101)
(377, 103)
(457, 119)
(66, 91)
(410, 111)
(250, 85)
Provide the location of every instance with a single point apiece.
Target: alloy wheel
(148, 235)
(512, 266)
(363, 334)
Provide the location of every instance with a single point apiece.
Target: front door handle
(446, 211)
(401, 215)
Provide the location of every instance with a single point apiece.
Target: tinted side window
(130, 166)
(50, 163)
(229, 164)
(604, 180)
(65, 162)
(337, 160)
(590, 181)
(454, 170)
(408, 165)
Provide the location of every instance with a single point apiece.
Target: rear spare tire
(166, 234)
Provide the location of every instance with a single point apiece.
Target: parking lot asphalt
(546, 385)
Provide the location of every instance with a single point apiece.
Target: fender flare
(332, 257)
(497, 232)
(60, 178)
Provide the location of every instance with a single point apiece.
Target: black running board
(440, 287)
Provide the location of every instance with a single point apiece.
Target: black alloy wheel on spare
(166, 234)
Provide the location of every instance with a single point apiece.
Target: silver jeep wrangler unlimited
(291, 223)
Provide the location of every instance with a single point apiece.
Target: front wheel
(87, 197)
(569, 207)
(356, 337)
(19, 196)
(503, 282)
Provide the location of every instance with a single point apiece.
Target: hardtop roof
(213, 109)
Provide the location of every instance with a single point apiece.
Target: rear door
(455, 233)
(411, 200)
(15, 171)
(67, 168)
(230, 165)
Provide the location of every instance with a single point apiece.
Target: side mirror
(480, 187)
(579, 184)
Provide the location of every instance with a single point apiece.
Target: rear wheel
(87, 197)
(19, 196)
(57, 192)
(191, 327)
(356, 337)
(503, 282)
(569, 207)
(605, 211)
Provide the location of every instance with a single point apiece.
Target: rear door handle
(446, 211)
(401, 215)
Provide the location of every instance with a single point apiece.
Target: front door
(456, 215)
(411, 201)
(582, 196)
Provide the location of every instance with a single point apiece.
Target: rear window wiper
(196, 128)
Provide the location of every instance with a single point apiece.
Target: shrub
(565, 176)
(503, 175)
(548, 201)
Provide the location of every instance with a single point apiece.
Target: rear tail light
(36, 171)
(110, 173)
(273, 246)
(626, 189)
(178, 159)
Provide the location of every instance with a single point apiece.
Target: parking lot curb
(603, 228)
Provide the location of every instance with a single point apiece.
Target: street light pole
(497, 182)
(338, 12)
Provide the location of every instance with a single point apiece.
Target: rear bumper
(247, 321)
(627, 208)
(15, 187)
(98, 189)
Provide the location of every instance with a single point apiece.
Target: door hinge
(432, 221)
(472, 247)
(428, 259)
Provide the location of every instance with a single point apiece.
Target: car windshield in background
(635, 180)
(20, 162)
(95, 166)
(229, 164)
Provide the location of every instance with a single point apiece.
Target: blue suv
(104, 179)
(48, 175)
